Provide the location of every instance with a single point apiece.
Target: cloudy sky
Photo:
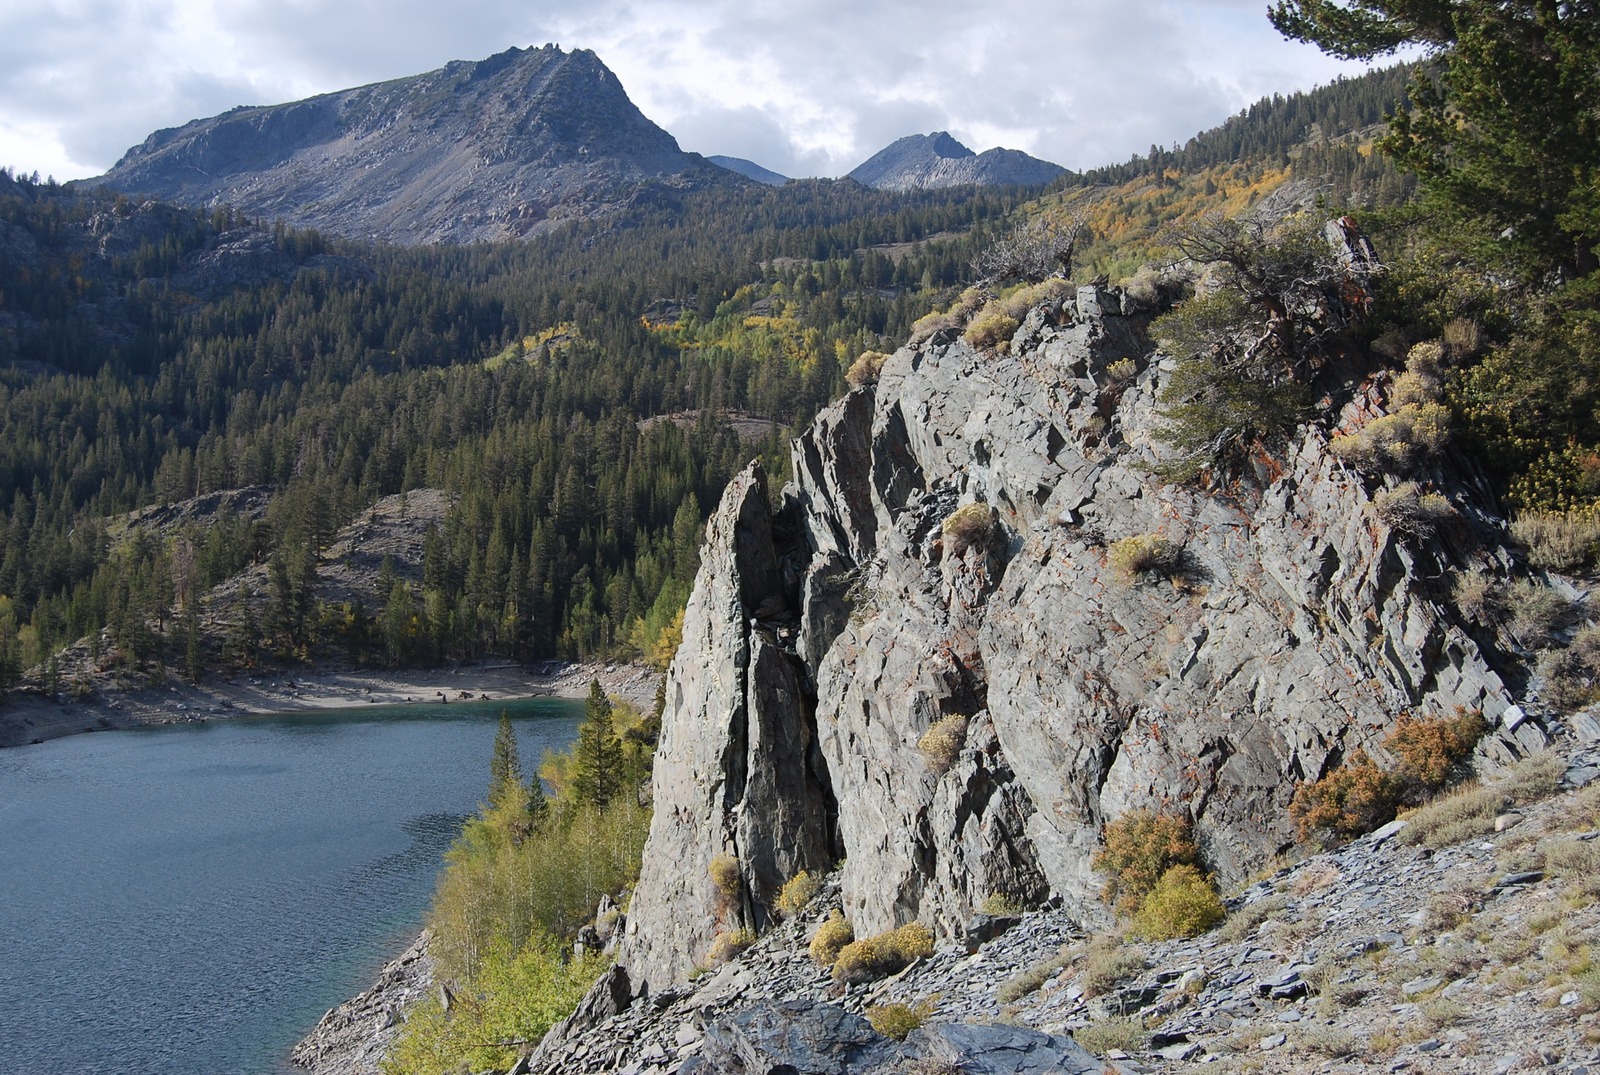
(805, 87)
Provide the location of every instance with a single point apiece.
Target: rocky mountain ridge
(920, 161)
(833, 624)
(475, 151)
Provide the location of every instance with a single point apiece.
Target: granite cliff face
(831, 627)
(473, 151)
(919, 161)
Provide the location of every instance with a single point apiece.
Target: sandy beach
(30, 717)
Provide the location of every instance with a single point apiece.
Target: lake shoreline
(30, 717)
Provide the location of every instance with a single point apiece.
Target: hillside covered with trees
(581, 398)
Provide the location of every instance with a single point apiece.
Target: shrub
(866, 368)
(1470, 811)
(1133, 556)
(1001, 904)
(1407, 509)
(990, 328)
(897, 1020)
(1400, 441)
(728, 946)
(1139, 847)
(1536, 612)
(1356, 797)
(1568, 681)
(969, 526)
(516, 996)
(1107, 962)
(1412, 388)
(1122, 371)
(1429, 750)
(928, 325)
(1461, 337)
(1184, 903)
(941, 744)
(1029, 979)
(1426, 357)
(887, 953)
(1478, 597)
(831, 938)
(1329, 1041)
(1559, 540)
(797, 893)
(1127, 1034)
(725, 875)
(1246, 920)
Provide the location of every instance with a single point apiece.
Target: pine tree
(505, 768)
(597, 758)
(194, 650)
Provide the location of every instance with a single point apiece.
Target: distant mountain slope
(936, 160)
(472, 151)
(750, 170)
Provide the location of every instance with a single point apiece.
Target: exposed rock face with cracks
(1292, 628)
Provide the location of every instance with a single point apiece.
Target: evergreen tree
(244, 636)
(505, 767)
(1504, 131)
(194, 648)
(598, 757)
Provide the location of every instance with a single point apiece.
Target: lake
(190, 899)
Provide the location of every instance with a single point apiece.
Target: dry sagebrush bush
(831, 938)
(1002, 904)
(1138, 848)
(990, 328)
(1409, 510)
(887, 953)
(865, 369)
(725, 875)
(728, 946)
(1030, 979)
(797, 893)
(1559, 540)
(1133, 556)
(1105, 963)
(896, 1020)
(1184, 903)
(1569, 681)
(941, 744)
(1470, 810)
(1478, 597)
(1536, 612)
(1126, 1034)
(1461, 338)
(968, 527)
(1246, 920)
(1397, 442)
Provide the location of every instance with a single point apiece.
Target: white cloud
(801, 86)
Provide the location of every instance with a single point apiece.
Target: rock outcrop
(353, 1038)
(828, 633)
(921, 161)
(475, 151)
(738, 773)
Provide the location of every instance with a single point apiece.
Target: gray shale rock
(736, 771)
(824, 639)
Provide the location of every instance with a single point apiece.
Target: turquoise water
(190, 899)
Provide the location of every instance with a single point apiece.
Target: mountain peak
(476, 150)
(938, 160)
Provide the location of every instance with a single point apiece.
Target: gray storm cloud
(805, 87)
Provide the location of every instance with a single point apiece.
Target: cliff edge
(833, 624)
